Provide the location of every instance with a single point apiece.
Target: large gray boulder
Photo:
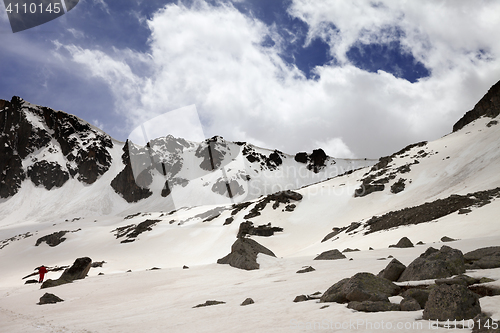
(435, 264)
(483, 258)
(393, 270)
(360, 287)
(330, 255)
(420, 295)
(77, 271)
(410, 304)
(244, 254)
(450, 302)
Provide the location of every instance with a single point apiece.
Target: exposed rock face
(49, 299)
(360, 287)
(125, 182)
(244, 254)
(27, 128)
(393, 270)
(330, 255)
(315, 161)
(488, 106)
(77, 271)
(373, 306)
(53, 239)
(403, 243)
(484, 258)
(266, 230)
(451, 302)
(434, 264)
(131, 231)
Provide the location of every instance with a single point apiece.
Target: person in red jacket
(41, 270)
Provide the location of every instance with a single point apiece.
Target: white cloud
(335, 147)
(211, 57)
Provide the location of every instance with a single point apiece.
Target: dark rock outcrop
(488, 106)
(403, 243)
(265, 230)
(330, 255)
(47, 174)
(392, 271)
(360, 287)
(434, 264)
(446, 239)
(48, 298)
(453, 302)
(53, 239)
(244, 254)
(130, 232)
(77, 271)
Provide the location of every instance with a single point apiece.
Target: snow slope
(460, 163)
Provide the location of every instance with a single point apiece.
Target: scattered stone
(244, 254)
(410, 304)
(370, 248)
(101, 273)
(49, 299)
(185, 267)
(301, 298)
(350, 250)
(373, 306)
(209, 303)
(129, 271)
(306, 270)
(96, 264)
(435, 264)
(324, 307)
(248, 301)
(360, 287)
(392, 271)
(290, 208)
(155, 269)
(464, 211)
(492, 123)
(420, 243)
(229, 220)
(403, 243)
(330, 255)
(447, 239)
(30, 281)
(451, 302)
(77, 271)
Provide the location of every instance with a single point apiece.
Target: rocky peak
(488, 106)
(31, 135)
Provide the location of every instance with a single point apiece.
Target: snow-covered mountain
(122, 215)
(49, 156)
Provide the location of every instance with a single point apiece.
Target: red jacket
(42, 270)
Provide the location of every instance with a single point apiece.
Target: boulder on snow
(392, 271)
(360, 287)
(31, 281)
(373, 306)
(451, 302)
(209, 303)
(447, 239)
(403, 243)
(49, 299)
(306, 269)
(77, 271)
(409, 304)
(435, 264)
(420, 295)
(330, 255)
(244, 254)
(483, 258)
(247, 301)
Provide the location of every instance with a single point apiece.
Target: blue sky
(357, 78)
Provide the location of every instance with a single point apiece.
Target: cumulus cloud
(212, 57)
